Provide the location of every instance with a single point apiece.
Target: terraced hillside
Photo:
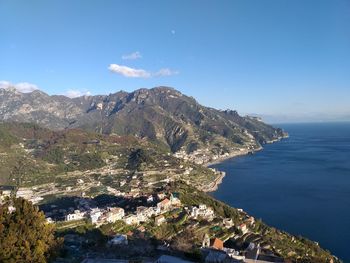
(31, 156)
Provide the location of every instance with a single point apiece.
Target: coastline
(232, 155)
(213, 186)
(218, 180)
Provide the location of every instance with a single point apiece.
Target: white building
(131, 220)
(158, 220)
(243, 228)
(164, 205)
(194, 212)
(202, 207)
(174, 200)
(5, 193)
(11, 209)
(144, 213)
(35, 199)
(95, 214)
(28, 194)
(228, 222)
(114, 214)
(202, 211)
(77, 215)
(24, 193)
(150, 199)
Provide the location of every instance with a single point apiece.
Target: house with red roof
(217, 243)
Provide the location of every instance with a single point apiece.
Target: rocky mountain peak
(160, 114)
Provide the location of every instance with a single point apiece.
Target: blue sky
(286, 58)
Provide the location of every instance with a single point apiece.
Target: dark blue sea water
(301, 184)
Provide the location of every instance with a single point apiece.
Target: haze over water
(301, 184)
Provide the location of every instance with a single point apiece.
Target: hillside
(123, 148)
(32, 156)
(162, 115)
(68, 169)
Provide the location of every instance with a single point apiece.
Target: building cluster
(214, 250)
(21, 192)
(202, 211)
(28, 194)
(142, 214)
(199, 156)
(203, 156)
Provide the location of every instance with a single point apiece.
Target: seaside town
(124, 200)
(136, 208)
(158, 131)
(145, 131)
(138, 205)
(132, 218)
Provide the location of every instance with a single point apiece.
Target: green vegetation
(24, 234)
(54, 155)
(6, 138)
(297, 249)
(137, 158)
(31, 155)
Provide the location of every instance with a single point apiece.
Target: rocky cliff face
(56, 112)
(161, 114)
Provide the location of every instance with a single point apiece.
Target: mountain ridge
(162, 114)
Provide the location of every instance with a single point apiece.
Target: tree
(25, 236)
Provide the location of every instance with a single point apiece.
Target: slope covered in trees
(25, 236)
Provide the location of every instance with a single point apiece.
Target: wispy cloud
(129, 72)
(132, 56)
(140, 73)
(23, 87)
(72, 93)
(165, 72)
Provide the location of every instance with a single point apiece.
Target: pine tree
(25, 236)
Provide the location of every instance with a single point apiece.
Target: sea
(300, 184)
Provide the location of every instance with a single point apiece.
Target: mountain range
(162, 115)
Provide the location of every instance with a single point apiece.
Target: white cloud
(23, 87)
(76, 93)
(165, 72)
(129, 72)
(132, 56)
(26, 87)
(4, 84)
(140, 73)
